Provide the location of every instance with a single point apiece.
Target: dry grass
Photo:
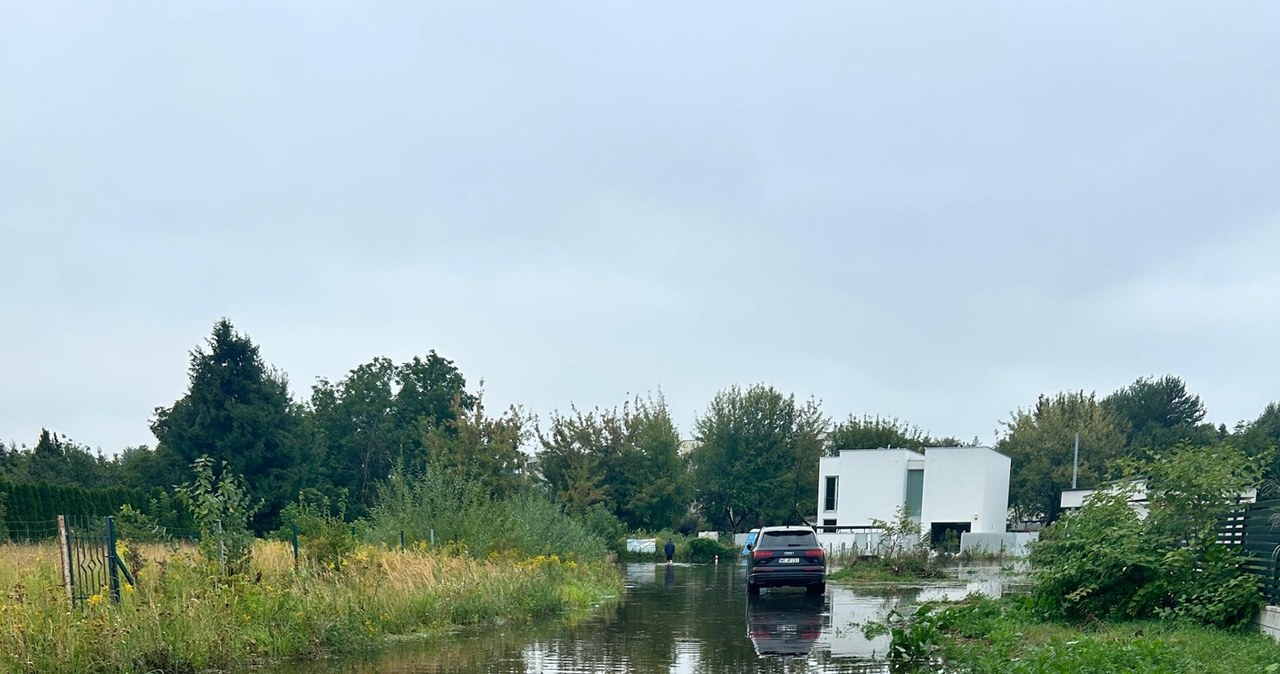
(182, 616)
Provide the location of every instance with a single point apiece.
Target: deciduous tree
(1039, 444)
(873, 432)
(758, 458)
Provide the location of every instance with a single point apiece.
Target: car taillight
(761, 554)
(819, 553)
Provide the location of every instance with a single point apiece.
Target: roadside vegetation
(183, 617)
(688, 549)
(1115, 591)
(234, 601)
(902, 557)
(982, 635)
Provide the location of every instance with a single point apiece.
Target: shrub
(706, 550)
(1107, 561)
(602, 524)
(324, 535)
(461, 514)
(222, 509)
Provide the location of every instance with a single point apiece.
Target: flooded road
(678, 618)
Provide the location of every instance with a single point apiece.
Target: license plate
(789, 560)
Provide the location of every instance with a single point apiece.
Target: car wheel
(753, 589)
(816, 588)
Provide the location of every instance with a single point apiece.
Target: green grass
(984, 635)
(180, 618)
(884, 571)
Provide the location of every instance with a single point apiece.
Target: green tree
(48, 461)
(222, 508)
(627, 460)
(1261, 437)
(237, 410)
(374, 419)
(1158, 413)
(651, 475)
(873, 432)
(142, 468)
(481, 448)
(1040, 445)
(1107, 561)
(758, 458)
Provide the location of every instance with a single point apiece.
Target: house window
(829, 502)
(828, 526)
(915, 492)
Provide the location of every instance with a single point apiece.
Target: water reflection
(676, 618)
(784, 624)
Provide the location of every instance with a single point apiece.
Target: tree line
(753, 458)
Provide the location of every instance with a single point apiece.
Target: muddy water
(678, 618)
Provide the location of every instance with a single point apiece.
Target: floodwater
(678, 619)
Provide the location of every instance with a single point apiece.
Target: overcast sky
(935, 211)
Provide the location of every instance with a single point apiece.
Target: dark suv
(787, 556)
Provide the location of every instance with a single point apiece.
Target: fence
(1256, 529)
(91, 567)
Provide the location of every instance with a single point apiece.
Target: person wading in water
(670, 549)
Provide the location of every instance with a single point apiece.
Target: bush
(1106, 561)
(222, 509)
(324, 535)
(462, 515)
(602, 524)
(706, 550)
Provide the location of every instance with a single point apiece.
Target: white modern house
(944, 489)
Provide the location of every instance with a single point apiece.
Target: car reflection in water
(784, 622)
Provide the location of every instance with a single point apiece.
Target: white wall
(966, 484)
(872, 485)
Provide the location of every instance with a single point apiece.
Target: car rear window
(790, 538)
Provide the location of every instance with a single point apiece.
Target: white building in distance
(944, 489)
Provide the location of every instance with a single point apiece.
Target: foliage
(872, 432)
(481, 448)
(375, 419)
(602, 524)
(1039, 444)
(38, 505)
(176, 620)
(708, 550)
(758, 458)
(902, 554)
(1157, 413)
(627, 460)
(222, 509)
(1261, 437)
(899, 535)
(982, 635)
(238, 411)
(459, 511)
(323, 533)
(1107, 561)
(133, 524)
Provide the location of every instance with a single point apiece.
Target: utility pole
(1075, 465)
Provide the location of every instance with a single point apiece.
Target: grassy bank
(181, 618)
(983, 635)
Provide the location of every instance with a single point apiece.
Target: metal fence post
(295, 545)
(402, 539)
(113, 572)
(222, 549)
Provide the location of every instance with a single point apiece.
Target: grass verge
(181, 618)
(888, 571)
(980, 635)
